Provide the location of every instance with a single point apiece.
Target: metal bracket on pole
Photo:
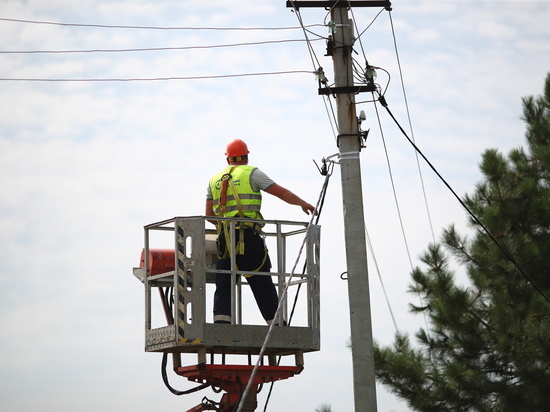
(358, 135)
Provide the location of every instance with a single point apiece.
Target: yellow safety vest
(233, 196)
(245, 203)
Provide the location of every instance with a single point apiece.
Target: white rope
(279, 306)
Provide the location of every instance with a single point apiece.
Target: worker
(236, 192)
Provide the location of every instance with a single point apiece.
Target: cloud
(84, 166)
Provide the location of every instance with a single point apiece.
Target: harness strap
(239, 250)
(225, 179)
(224, 227)
(226, 251)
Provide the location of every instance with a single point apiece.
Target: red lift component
(160, 261)
(233, 379)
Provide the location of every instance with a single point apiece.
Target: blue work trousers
(262, 286)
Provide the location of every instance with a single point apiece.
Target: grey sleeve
(260, 181)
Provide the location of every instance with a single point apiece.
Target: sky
(85, 164)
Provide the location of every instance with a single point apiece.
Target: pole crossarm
(339, 3)
(347, 89)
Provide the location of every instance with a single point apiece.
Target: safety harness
(224, 227)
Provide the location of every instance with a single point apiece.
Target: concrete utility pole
(349, 142)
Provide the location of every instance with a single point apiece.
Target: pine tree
(488, 343)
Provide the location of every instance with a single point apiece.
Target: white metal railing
(183, 287)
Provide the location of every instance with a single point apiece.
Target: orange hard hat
(236, 148)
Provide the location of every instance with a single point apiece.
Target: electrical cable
(383, 102)
(279, 307)
(321, 202)
(387, 158)
(399, 217)
(410, 125)
(168, 302)
(359, 75)
(389, 166)
(152, 48)
(320, 36)
(303, 27)
(358, 38)
(170, 388)
(371, 23)
(393, 189)
(328, 13)
(221, 76)
(317, 66)
(381, 281)
(332, 120)
(105, 26)
(313, 56)
(210, 405)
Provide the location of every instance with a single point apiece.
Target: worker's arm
(209, 211)
(289, 197)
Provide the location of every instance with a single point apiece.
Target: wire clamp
(326, 169)
(327, 165)
(359, 136)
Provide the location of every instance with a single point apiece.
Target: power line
(398, 213)
(317, 66)
(313, 56)
(157, 78)
(381, 281)
(393, 189)
(151, 48)
(361, 76)
(105, 26)
(318, 69)
(512, 260)
(368, 66)
(366, 28)
(410, 126)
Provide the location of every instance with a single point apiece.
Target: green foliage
(488, 344)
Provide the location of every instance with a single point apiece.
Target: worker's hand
(307, 208)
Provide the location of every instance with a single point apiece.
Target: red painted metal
(160, 261)
(233, 379)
